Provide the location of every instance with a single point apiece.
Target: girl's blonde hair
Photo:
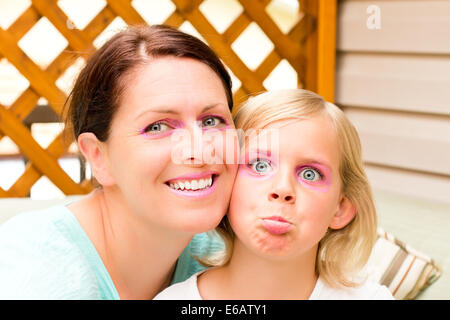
(341, 253)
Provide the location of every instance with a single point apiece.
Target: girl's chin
(271, 246)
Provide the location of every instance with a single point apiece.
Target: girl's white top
(188, 290)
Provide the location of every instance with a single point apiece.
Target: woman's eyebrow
(164, 110)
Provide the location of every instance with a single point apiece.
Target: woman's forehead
(172, 84)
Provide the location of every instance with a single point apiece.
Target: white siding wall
(394, 85)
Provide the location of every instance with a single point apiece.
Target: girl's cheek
(321, 186)
(243, 204)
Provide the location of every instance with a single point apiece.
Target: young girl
(301, 221)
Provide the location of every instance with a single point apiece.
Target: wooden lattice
(303, 47)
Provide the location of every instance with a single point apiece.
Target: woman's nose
(187, 147)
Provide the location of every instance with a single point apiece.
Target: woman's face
(166, 145)
(285, 196)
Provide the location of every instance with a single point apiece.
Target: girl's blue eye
(260, 165)
(310, 174)
(212, 121)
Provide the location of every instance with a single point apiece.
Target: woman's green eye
(156, 127)
(211, 122)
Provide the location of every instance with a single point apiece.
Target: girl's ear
(344, 215)
(94, 152)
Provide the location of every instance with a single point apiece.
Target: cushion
(401, 268)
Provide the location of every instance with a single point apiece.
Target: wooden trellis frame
(309, 47)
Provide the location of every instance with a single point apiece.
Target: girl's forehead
(309, 137)
(291, 130)
(300, 121)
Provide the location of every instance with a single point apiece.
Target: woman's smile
(196, 185)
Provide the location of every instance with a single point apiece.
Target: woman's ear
(93, 150)
(344, 215)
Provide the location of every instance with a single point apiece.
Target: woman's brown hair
(96, 94)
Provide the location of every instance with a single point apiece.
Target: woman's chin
(199, 224)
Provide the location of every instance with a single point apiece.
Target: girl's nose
(283, 190)
(282, 196)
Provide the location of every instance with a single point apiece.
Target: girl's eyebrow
(165, 110)
(317, 162)
(266, 153)
(311, 161)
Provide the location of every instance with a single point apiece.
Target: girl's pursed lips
(277, 218)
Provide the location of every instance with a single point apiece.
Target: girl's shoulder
(186, 290)
(367, 290)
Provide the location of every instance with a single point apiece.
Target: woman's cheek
(155, 159)
(160, 150)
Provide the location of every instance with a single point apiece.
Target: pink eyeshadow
(322, 185)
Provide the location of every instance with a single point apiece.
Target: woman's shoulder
(54, 226)
(39, 258)
(186, 290)
(366, 290)
(33, 227)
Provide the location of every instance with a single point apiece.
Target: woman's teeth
(192, 184)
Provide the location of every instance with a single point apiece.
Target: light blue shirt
(46, 254)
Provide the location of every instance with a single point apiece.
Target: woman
(123, 240)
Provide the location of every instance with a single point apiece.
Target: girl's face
(155, 156)
(286, 196)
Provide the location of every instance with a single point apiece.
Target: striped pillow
(399, 267)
